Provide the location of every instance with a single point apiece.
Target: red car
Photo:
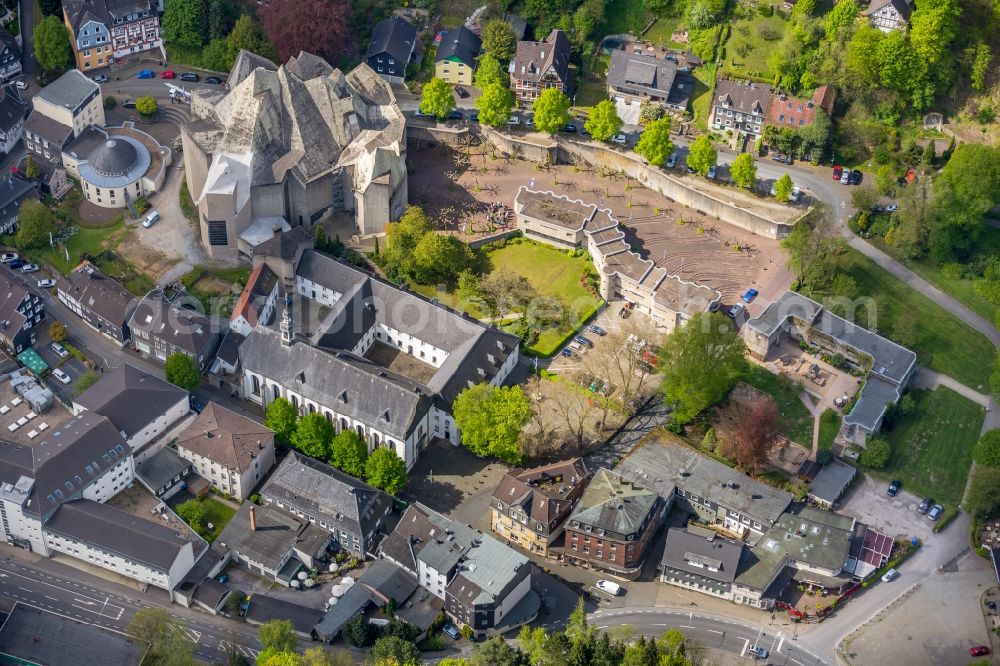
(169, 74)
(979, 651)
(838, 171)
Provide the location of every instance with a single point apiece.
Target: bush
(876, 454)
(110, 102)
(146, 106)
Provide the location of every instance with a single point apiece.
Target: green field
(88, 241)
(218, 514)
(750, 43)
(932, 448)
(550, 271)
(796, 422)
(701, 100)
(829, 426)
(943, 342)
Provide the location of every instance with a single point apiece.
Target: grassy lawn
(588, 90)
(136, 282)
(622, 16)
(829, 426)
(943, 342)
(751, 42)
(88, 241)
(932, 448)
(796, 422)
(218, 514)
(962, 289)
(701, 100)
(550, 271)
(661, 31)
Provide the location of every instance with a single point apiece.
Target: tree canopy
(385, 470)
(783, 188)
(551, 110)
(312, 436)
(281, 417)
(277, 634)
(439, 258)
(700, 362)
(168, 643)
(52, 48)
(146, 105)
(603, 122)
(702, 155)
(393, 651)
(348, 453)
(184, 23)
(182, 370)
(744, 170)
(322, 27)
(34, 224)
(495, 104)
(490, 419)
(192, 512)
(490, 71)
(812, 248)
(246, 34)
(987, 449)
(437, 99)
(655, 144)
(983, 498)
(499, 40)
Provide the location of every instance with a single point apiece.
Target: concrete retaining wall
(539, 149)
(452, 136)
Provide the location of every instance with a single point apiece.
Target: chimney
(253, 520)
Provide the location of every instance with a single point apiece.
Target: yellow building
(529, 506)
(456, 56)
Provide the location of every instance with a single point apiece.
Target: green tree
(312, 436)
(277, 634)
(348, 453)
(281, 417)
(812, 248)
(34, 224)
(702, 155)
(783, 188)
(603, 122)
(402, 237)
(876, 453)
(57, 331)
(110, 102)
(184, 24)
(744, 171)
(357, 632)
(385, 470)
(981, 58)
(499, 40)
(246, 34)
(192, 512)
(182, 370)
(439, 258)
(551, 110)
(864, 198)
(437, 99)
(468, 285)
(655, 144)
(146, 106)
(843, 15)
(216, 56)
(392, 650)
(495, 652)
(495, 105)
(275, 657)
(491, 418)
(700, 362)
(30, 167)
(577, 627)
(52, 49)
(966, 188)
(490, 71)
(168, 643)
(987, 449)
(983, 499)
(317, 656)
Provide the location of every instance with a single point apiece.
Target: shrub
(110, 102)
(876, 454)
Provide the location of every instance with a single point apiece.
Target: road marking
(604, 627)
(240, 649)
(746, 644)
(51, 598)
(716, 631)
(25, 589)
(781, 642)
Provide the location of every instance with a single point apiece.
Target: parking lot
(70, 365)
(896, 516)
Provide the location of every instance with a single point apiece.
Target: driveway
(896, 516)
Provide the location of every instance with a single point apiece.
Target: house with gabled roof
(740, 106)
(540, 65)
(391, 48)
(457, 55)
(99, 301)
(164, 323)
(889, 15)
(10, 56)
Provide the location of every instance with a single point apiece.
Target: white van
(151, 219)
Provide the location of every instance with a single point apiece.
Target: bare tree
(747, 444)
(626, 361)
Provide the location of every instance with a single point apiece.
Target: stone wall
(452, 136)
(539, 150)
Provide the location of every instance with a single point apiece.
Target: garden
(752, 38)
(201, 512)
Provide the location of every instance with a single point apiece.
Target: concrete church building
(292, 145)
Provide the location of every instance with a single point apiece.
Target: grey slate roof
(277, 532)
(113, 157)
(487, 566)
(459, 44)
(745, 98)
(12, 108)
(790, 304)
(614, 504)
(534, 60)
(518, 24)
(131, 398)
(43, 637)
(902, 6)
(70, 90)
(119, 532)
(322, 491)
(99, 293)
(715, 551)
(13, 191)
(665, 465)
(180, 326)
(285, 244)
(263, 608)
(831, 481)
(386, 580)
(211, 592)
(394, 36)
(161, 467)
(50, 130)
(353, 602)
(641, 74)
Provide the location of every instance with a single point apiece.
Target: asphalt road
(26, 14)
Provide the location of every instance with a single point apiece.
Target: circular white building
(116, 165)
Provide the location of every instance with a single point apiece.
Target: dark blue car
(750, 295)
(145, 74)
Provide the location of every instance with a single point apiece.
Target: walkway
(925, 378)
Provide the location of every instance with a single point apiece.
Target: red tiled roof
(790, 112)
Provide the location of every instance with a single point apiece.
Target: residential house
(230, 450)
(10, 57)
(99, 301)
(13, 112)
(830, 483)
(636, 77)
(20, 311)
(702, 560)
(273, 543)
(105, 31)
(348, 508)
(391, 48)
(484, 584)
(61, 111)
(140, 405)
(13, 192)
(455, 61)
(889, 15)
(257, 301)
(163, 323)
(540, 65)
(886, 365)
(529, 506)
(517, 24)
(613, 524)
(740, 107)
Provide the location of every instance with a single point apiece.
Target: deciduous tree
(700, 362)
(749, 441)
(192, 512)
(34, 224)
(182, 370)
(246, 34)
(321, 27)
(394, 651)
(783, 188)
(52, 49)
(348, 453)
(505, 292)
(876, 453)
(843, 15)
(655, 144)
(437, 99)
(499, 40)
(603, 122)
(490, 71)
(184, 24)
(987, 449)
(551, 110)
(812, 249)
(277, 634)
(864, 198)
(983, 499)
(744, 171)
(312, 436)
(490, 419)
(439, 258)
(168, 643)
(702, 155)
(281, 417)
(495, 105)
(385, 470)
(146, 105)
(30, 167)
(495, 652)
(57, 331)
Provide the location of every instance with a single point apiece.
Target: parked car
(196, 405)
(214, 80)
(611, 587)
(222, 578)
(567, 352)
(671, 161)
(624, 313)
(451, 630)
(100, 78)
(979, 651)
(925, 505)
(455, 115)
(46, 283)
(474, 117)
(838, 172)
(151, 219)
(145, 74)
(935, 512)
(758, 652)
(513, 120)
(61, 376)
(619, 139)
(735, 311)
(59, 350)
(583, 341)
(190, 76)
(8, 257)
(891, 208)
(29, 268)
(168, 74)
(781, 158)
(856, 177)
(461, 92)
(992, 605)
(890, 576)
(17, 263)
(20, 85)
(594, 328)
(529, 121)
(750, 294)
(128, 104)
(569, 128)
(795, 195)
(712, 171)
(894, 488)
(846, 177)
